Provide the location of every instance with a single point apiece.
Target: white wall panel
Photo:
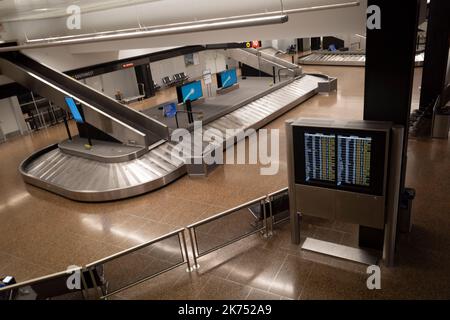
(122, 80)
(214, 60)
(95, 83)
(11, 119)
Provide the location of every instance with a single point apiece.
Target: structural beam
(389, 73)
(436, 52)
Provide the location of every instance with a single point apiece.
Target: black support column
(389, 73)
(144, 76)
(316, 43)
(300, 47)
(436, 52)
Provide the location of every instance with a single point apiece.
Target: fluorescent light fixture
(256, 19)
(41, 10)
(197, 26)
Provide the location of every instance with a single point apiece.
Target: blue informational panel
(170, 110)
(191, 91)
(227, 78)
(74, 109)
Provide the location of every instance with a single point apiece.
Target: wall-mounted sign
(253, 44)
(83, 75)
(128, 65)
(207, 77)
(74, 109)
(191, 59)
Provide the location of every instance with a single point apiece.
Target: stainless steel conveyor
(88, 180)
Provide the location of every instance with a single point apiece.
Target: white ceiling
(19, 10)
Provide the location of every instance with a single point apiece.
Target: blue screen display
(192, 91)
(228, 78)
(74, 110)
(170, 110)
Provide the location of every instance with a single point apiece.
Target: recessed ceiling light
(41, 9)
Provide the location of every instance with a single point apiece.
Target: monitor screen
(332, 41)
(226, 78)
(354, 157)
(190, 91)
(170, 110)
(346, 159)
(320, 161)
(74, 109)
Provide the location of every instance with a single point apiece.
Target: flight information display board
(354, 154)
(320, 161)
(351, 160)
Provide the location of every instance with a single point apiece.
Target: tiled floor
(42, 233)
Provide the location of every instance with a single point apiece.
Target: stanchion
(67, 127)
(274, 75)
(196, 265)
(189, 111)
(186, 253)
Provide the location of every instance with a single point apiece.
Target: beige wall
(11, 117)
(109, 83)
(214, 60)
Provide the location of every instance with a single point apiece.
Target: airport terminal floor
(42, 232)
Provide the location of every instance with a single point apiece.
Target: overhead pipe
(249, 20)
(179, 24)
(151, 32)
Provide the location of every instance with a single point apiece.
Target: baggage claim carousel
(357, 59)
(133, 171)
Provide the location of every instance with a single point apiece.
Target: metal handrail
(89, 267)
(226, 212)
(106, 295)
(275, 193)
(193, 235)
(267, 217)
(204, 253)
(446, 95)
(184, 255)
(276, 60)
(40, 279)
(133, 249)
(281, 69)
(184, 252)
(261, 58)
(270, 197)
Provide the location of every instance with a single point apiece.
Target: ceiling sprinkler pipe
(164, 31)
(256, 19)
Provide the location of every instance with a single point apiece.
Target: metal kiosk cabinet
(344, 171)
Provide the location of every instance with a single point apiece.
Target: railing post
(267, 233)
(271, 217)
(95, 285)
(186, 253)
(196, 265)
(274, 75)
(85, 289)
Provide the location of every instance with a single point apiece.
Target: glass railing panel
(228, 228)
